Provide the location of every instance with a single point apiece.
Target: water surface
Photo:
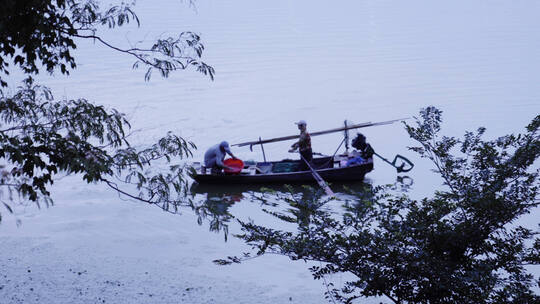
(281, 61)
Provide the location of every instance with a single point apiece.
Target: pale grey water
(322, 61)
(278, 62)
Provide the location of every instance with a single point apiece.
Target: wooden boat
(329, 168)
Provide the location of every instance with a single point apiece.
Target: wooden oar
(318, 178)
(356, 126)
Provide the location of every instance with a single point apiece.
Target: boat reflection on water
(212, 203)
(213, 207)
(238, 192)
(404, 183)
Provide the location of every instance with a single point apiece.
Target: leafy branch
(45, 33)
(77, 137)
(460, 246)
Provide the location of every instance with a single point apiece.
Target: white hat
(301, 122)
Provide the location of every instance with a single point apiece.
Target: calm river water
(277, 62)
(325, 61)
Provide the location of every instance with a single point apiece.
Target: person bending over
(214, 156)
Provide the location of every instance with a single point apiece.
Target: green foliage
(31, 32)
(41, 138)
(45, 32)
(463, 245)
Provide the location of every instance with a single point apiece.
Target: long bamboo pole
(356, 126)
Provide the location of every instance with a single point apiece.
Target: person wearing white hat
(214, 156)
(303, 145)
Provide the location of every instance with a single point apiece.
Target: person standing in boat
(214, 156)
(303, 145)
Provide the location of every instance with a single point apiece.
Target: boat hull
(351, 173)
